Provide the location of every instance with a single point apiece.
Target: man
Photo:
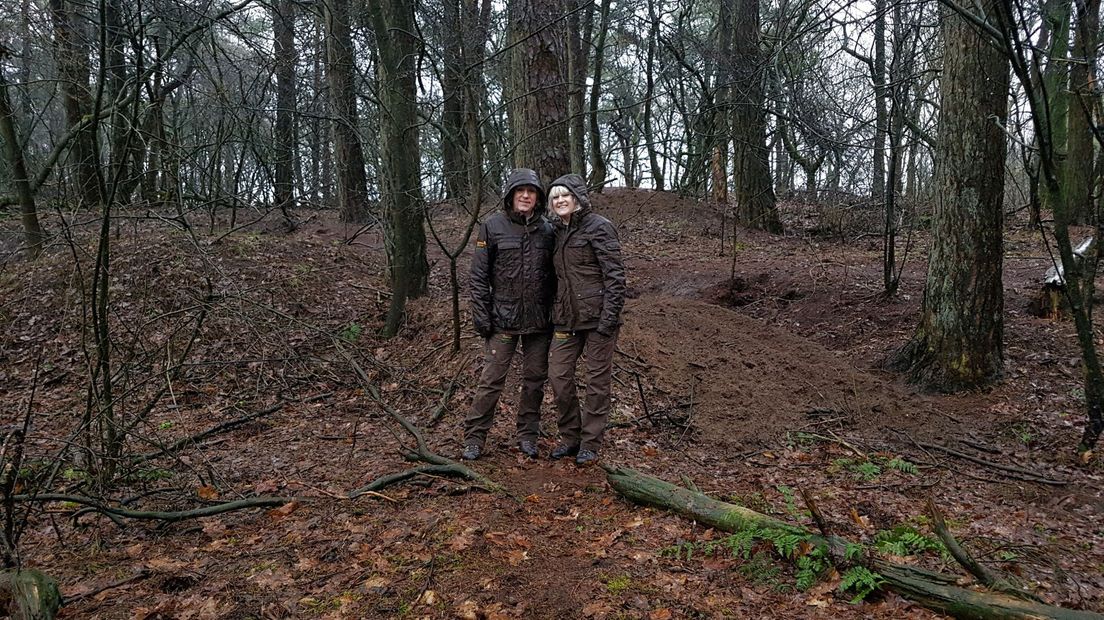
(512, 283)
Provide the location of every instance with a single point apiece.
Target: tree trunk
(881, 122)
(598, 170)
(958, 343)
(352, 185)
(538, 108)
(754, 191)
(649, 92)
(13, 150)
(1079, 166)
(29, 595)
(283, 27)
(73, 69)
(579, 26)
(400, 187)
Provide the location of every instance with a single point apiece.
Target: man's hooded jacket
(512, 279)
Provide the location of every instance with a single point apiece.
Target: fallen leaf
(597, 609)
(862, 521)
(283, 511)
(463, 540)
(468, 610)
(377, 585)
(662, 613)
(207, 492)
(515, 558)
(429, 597)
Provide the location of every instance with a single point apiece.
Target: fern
(852, 552)
(861, 581)
(904, 540)
(740, 543)
(787, 543)
(811, 566)
(902, 465)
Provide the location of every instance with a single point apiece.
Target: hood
(578, 188)
(517, 178)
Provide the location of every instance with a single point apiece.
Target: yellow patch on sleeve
(480, 243)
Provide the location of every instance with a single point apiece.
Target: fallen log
(933, 590)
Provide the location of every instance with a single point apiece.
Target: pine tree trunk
(649, 93)
(1079, 165)
(598, 170)
(73, 70)
(32, 230)
(754, 191)
(393, 22)
(538, 109)
(579, 26)
(958, 344)
(352, 185)
(283, 26)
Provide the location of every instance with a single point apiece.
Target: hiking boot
(471, 452)
(562, 450)
(528, 448)
(586, 457)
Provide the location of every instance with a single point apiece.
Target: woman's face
(563, 205)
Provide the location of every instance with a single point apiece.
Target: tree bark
(579, 26)
(649, 93)
(598, 170)
(538, 109)
(1079, 165)
(283, 26)
(352, 185)
(958, 343)
(400, 187)
(754, 191)
(32, 230)
(73, 70)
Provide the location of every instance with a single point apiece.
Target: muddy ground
(752, 376)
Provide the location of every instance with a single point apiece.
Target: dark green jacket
(512, 280)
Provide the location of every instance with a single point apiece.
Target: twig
(425, 470)
(1015, 472)
(958, 552)
(643, 400)
(818, 517)
(442, 406)
(181, 515)
(221, 428)
(141, 574)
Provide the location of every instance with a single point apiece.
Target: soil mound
(750, 382)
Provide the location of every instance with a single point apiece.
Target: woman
(590, 293)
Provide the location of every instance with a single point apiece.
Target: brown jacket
(590, 275)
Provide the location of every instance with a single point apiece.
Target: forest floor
(753, 388)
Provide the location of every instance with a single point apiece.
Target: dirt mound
(750, 382)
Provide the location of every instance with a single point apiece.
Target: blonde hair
(559, 190)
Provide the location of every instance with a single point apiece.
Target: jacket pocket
(508, 267)
(589, 303)
(506, 312)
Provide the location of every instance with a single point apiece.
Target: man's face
(525, 199)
